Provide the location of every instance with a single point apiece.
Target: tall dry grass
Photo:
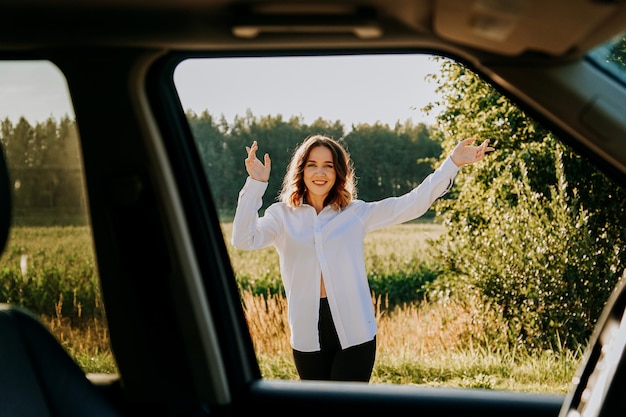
(430, 344)
(407, 331)
(448, 343)
(87, 341)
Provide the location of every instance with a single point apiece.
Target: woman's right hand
(256, 169)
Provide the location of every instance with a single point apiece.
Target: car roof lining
(500, 27)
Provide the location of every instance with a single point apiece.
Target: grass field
(430, 344)
(435, 344)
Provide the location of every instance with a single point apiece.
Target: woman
(318, 228)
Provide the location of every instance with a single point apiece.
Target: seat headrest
(5, 201)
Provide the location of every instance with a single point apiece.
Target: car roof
(556, 28)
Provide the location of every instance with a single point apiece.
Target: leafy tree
(214, 151)
(534, 229)
(45, 157)
(390, 162)
(407, 153)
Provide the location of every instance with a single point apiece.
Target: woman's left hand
(465, 153)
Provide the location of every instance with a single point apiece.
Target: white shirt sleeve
(396, 210)
(250, 232)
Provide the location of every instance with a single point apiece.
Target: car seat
(37, 376)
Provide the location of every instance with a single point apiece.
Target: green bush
(265, 285)
(534, 229)
(50, 292)
(540, 256)
(51, 271)
(405, 284)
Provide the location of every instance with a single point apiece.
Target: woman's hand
(464, 153)
(256, 169)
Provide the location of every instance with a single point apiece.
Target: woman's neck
(316, 201)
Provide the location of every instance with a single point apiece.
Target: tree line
(389, 161)
(45, 171)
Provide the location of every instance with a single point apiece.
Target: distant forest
(389, 160)
(45, 169)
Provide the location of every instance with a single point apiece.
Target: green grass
(478, 367)
(471, 368)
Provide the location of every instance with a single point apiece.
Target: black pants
(331, 362)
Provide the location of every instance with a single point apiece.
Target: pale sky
(353, 90)
(36, 90)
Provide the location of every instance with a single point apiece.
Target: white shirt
(328, 244)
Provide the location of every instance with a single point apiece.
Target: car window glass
(492, 281)
(49, 264)
(611, 57)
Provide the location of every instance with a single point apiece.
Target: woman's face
(319, 172)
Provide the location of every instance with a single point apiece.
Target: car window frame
(222, 293)
(175, 58)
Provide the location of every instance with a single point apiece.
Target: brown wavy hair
(344, 189)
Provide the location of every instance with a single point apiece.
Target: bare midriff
(322, 289)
